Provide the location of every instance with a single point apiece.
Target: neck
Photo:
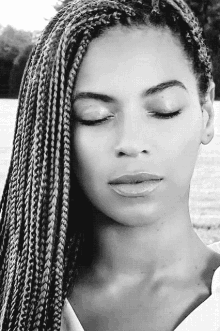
(147, 251)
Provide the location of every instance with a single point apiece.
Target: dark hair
(37, 254)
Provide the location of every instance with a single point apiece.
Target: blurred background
(22, 21)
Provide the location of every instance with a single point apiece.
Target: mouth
(135, 185)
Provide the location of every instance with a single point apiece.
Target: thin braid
(42, 304)
(18, 117)
(10, 255)
(54, 183)
(24, 205)
(24, 265)
(59, 262)
(20, 274)
(28, 242)
(14, 298)
(27, 249)
(41, 218)
(60, 68)
(12, 206)
(4, 224)
(13, 240)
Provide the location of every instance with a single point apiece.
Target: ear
(208, 115)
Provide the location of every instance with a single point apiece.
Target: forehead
(141, 56)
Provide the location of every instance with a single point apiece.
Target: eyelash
(155, 115)
(93, 122)
(166, 116)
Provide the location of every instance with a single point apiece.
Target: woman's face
(139, 125)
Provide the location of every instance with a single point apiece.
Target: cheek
(89, 153)
(182, 150)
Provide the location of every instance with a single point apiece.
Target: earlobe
(208, 116)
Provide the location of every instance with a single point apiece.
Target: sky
(26, 15)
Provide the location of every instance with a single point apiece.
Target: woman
(96, 234)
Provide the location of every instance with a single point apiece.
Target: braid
(59, 260)
(196, 32)
(16, 237)
(38, 255)
(31, 220)
(53, 203)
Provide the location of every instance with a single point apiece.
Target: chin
(133, 216)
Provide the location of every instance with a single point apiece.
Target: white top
(206, 317)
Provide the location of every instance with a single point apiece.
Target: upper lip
(134, 178)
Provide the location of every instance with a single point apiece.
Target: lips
(135, 178)
(135, 185)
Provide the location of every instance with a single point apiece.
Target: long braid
(25, 181)
(59, 261)
(27, 238)
(16, 144)
(38, 157)
(11, 191)
(42, 212)
(41, 217)
(24, 82)
(12, 249)
(55, 183)
(38, 257)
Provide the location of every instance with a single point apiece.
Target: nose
(132, 138)
(128, 150)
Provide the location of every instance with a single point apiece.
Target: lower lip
(136, 190)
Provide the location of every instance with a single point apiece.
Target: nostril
(129, 151)
(121, 153)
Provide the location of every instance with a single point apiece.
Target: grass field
(205, 186)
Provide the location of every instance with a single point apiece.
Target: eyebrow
(92, 95)
(151, 91)
(163, 86)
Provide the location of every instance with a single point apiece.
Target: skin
(145, 251)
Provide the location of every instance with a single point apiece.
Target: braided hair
(39, 247)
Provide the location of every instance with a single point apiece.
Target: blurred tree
(17, 70)
(12, 43)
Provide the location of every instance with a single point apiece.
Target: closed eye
(93, 122)
(105, 119)
(165, 115)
